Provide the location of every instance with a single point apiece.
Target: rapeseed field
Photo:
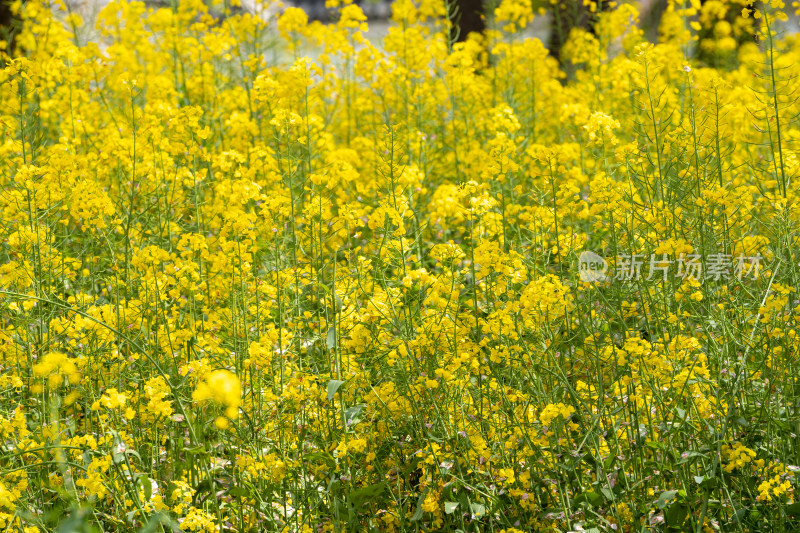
(413, 285)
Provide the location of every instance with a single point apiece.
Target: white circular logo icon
(591, 267)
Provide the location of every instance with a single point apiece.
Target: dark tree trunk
(651, 18)
(568, 14)
(468, 18)
(8, 24)
(711, 58)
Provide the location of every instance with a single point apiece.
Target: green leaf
(238, 492)
(450, 507)
(592, 498)
(609, 462)
(156, 522)
(478, 509)
(324, 457)
(78, 521)
(330, 341)
(204, 487)
(688, 456)
(794, 509)
(418, 513)
(195, 450)
(352, 414)
(334, 487)
(360, 496)
(665, 498)
(333, 386)
(147, 486)
(134, 453)
(676, 515)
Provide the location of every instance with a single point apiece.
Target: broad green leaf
(330, 342)
(665, 498)
(793, 509)
(352, 414)
(333, 386)
(478, 509)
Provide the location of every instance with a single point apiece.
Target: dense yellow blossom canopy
(261, 274)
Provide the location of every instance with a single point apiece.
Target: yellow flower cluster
(738, 456)
(221, 387)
